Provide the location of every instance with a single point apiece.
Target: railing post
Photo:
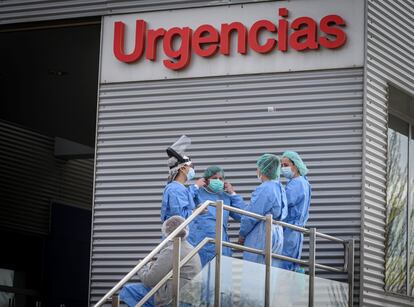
(312, 251)
(345, 268)
(219, 248)
(268, 258)
(176, 271)
(350, 270)
(115, 300)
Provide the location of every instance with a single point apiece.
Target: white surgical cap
(175, 167)
(172, 224)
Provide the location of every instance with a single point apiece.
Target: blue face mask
(190, 174)
(287, 172)
(216, 185)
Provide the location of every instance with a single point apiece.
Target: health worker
(268, 198)
(216, 188)
(298, 193)
(177, 198)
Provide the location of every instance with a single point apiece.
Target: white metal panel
(12, 11)
(351, 53)
(390, 60)
(232, 121)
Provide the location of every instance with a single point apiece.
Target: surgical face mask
(190, 174)
(287, 172)
(259, 177)
(216, 185)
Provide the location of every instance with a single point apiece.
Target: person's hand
(228, 188)
(241, 240)
(200, 182)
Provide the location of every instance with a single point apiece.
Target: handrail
(170, 273)
(311, 263)
(280, 223)
(154, 252)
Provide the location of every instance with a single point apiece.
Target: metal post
(268, 258)
(345, 268)
(219, 247)
(350, 270)
(115, 300)
(176, 271)
(312, 251)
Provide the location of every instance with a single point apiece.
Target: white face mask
(190, 174)
(287, 172)
(259, 177)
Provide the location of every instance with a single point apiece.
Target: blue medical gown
(176, 200)
(268, 198)
(298, 193)
(131, 294)
(205, 224)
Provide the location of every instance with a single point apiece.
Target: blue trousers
(131, 294)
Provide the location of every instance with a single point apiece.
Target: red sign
(206, 41)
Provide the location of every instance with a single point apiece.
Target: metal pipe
(312, 250)
(346, 257)
(244, 248)
(243, 212)
(350, 269)
(115, 300)
(170, 273)
(176, 271)
(283, 224)
(293, 227)
(328, 237)
(329, 268)
(262, 218)
(152, 254)
(219, 248)
(281, 257)
(268, 258)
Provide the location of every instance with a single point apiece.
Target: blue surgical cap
(297, 161)
(212, 170)
(269, 165)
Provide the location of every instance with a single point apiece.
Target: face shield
(176, 156)
(176, 152)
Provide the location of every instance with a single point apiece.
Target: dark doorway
(48, 99)
(67, 256)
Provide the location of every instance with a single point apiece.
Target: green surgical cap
(212, 170)
(295, 158)
(269, 165)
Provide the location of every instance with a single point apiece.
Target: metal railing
(219, 243)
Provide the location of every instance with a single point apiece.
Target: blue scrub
(298, 193)
(205, 224)
(131, 294)
(176, 200)
(268, 198)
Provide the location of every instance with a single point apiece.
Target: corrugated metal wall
(390, 59)
(12, 11)
(31, 177)
(231, 120)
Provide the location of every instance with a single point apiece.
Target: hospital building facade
(93, 92)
